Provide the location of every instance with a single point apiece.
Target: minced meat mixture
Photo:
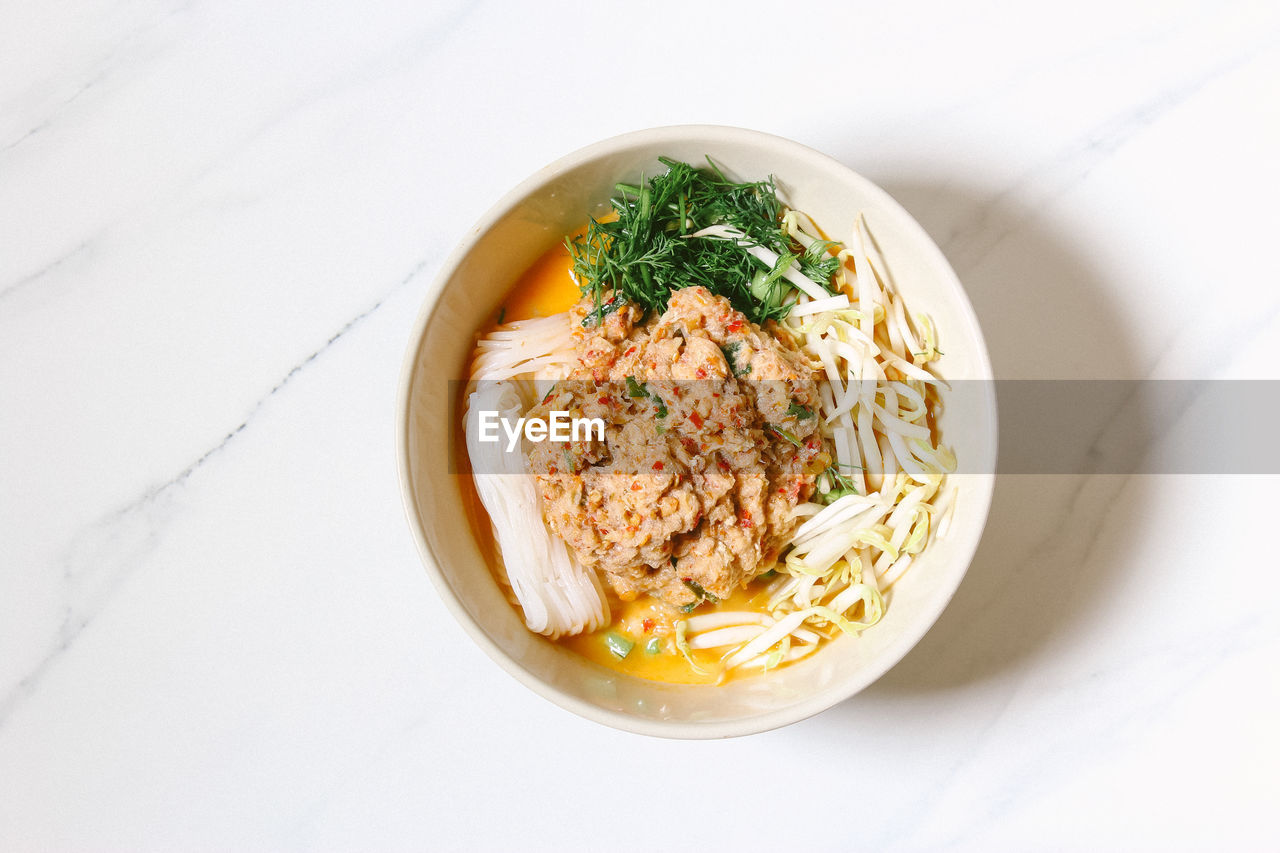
(710, 442)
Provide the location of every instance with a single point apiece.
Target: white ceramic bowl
(467, 292)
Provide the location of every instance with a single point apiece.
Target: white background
(217, 222)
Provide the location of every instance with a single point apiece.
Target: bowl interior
(468, 291)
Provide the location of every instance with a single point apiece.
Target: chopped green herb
(619, 645)
(639, 389)
(819, 260)
(782, 433)
(730, 351)
(834, 495)
(645, 254)
(770, 288)
(842, 485)
(702, 594)
(596, 315)
(798, 411)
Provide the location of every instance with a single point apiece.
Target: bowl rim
(821, 700)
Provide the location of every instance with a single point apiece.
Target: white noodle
(732, 636)
(725, 618)
(558, 596)
(816, 306)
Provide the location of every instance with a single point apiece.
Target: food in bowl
(703, 435)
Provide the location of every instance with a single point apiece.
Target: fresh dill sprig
(645, 254)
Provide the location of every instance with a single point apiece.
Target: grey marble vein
(46, 122)
(32, 277)
(416, 45)
(969, 246)
(105, 65)
(141, 528)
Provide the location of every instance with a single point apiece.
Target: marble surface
(217, 221)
